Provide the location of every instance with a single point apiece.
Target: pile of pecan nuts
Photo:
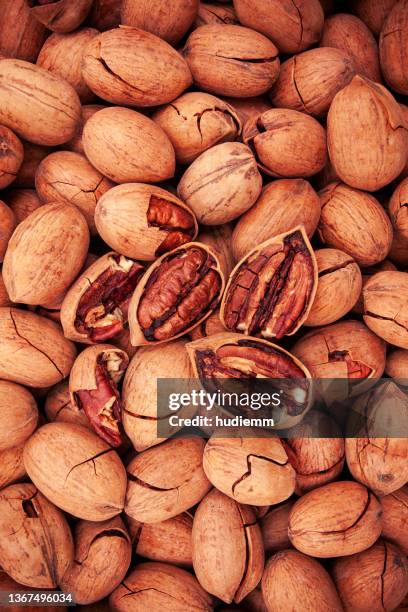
(203, 190)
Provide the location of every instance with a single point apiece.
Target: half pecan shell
(178, 292)
(93, 389)
(271, 290)
(95, 307)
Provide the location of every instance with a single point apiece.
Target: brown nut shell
(155, 495)
(76, 144)
(336, 520)
(230, 60)
(23, 202)
(286, 143)
(398, 208)
(33, 351)
(33, 154)
(396, 365)
(249, 107)
(36, 544)
(226, 536)
(68, 177)
(255, 302)
(60, 15)
(18, 415)
(197, 121)
(144, 221)
(393, 48)
(209, 13)
(179, 291)
(367, 141)
(76, 470)
(373, 13)
(105, 14)
(385, 297)
(48, 118)
(347, 214)
(274, 527)
(291, 577)
(128, 66)
(59, 408)
(309, 81)
(7, 225)
(11, 156)
(168, 541)
(218, 238)
(338, 288)
(21, 34)
(4, 298)
(126, 146)
(221, 184)
(12, 466)
(395, 517)
(90, 578)
(45, 254)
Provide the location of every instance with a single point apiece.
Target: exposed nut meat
(176, 221)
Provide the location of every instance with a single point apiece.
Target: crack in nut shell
(271, 290)
(177, 293)
(178, 222)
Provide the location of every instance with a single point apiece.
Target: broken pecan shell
(271, 290)
(144, 221)
(18, 414)
(179, 291)
(93, 388)
(209, 13)
(76, 470)
(95, 307)
(60, 15)
(211, 326)
(59, 408)
(168, 541)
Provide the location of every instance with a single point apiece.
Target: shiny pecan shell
(95, 307)
(271, 290)
(93, 389)
(177, 292)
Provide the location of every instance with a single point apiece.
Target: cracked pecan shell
(338, 519)
(33, 350)
(156, 493)
(393, 49)
(271, 290)
(95, 307)
(168, 541)
(89, 577)
(128, 66)
(18, 414)
(197, 121)
(209, 327)
(76, 470)
(179, 291)
(227, 536)
(230, 60)
(144, 221)
(60, 15)
(58, 406)
(160, 586)
(385, 297)
(209, 13)
(253, 471)
(395, 518)
(36, 544)
(398, 208)
(68, 177)
(93, 388)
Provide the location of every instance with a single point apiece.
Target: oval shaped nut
(197, 121)
(93, 388)
(95, 307)
(395, 516)
(59, 408)
(366, 136)
(385, 297)
(126, 146)
(11, 156)
(144, 221)
(396, 366)
(346, 215)
(309, 81)
(221, 184)
(68, 177)
(76, 470)
(33, 350)
(45, 254)
(90, 578)
(218, 238)
(375, 579)
(18, 415)
(179, 291)
(393, 51)
(23, 202)
(274, 527)
(398, 208)
(160, 586)
(373, 14)
(128, 66)
(271, 290)
(209, 13)
(252, 471)
(167, 20)
(155, 494)
(338, 519)
(168, 541)
(286, 143)
(291, 577)
(226, 536)
(139, 392)
(54, 53)
(338, 288)
(76, 144)
(39, 106)
(7, 225)
(230, 60)
(60, 15)
(36, 545)
(12, 466)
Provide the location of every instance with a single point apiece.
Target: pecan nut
(179, 291)
(271, 290)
